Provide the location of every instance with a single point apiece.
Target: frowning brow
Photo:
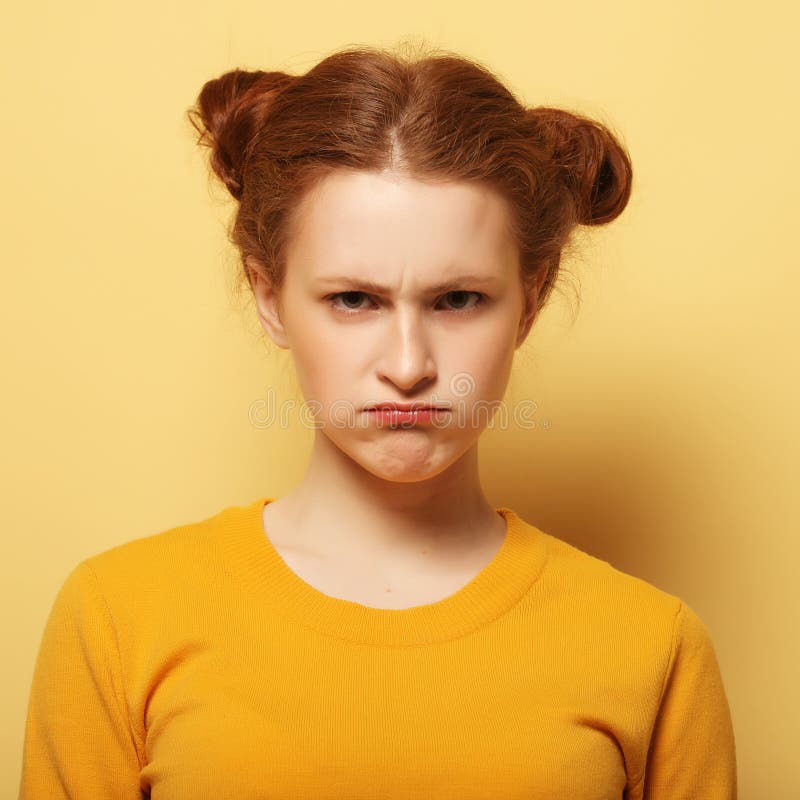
(461, 283)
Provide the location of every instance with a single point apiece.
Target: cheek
(325, 368)
(483, 360)
(315, 361)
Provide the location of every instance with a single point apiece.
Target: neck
(340, 507)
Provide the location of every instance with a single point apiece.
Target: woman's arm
(692, 754)
(78, 738)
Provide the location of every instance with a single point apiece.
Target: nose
(406, 359)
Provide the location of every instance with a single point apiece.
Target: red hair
(442, 117)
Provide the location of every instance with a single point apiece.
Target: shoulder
(628, 629)
(605, 604)
(599, 581)
(184, 554)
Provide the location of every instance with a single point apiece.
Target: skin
(395, 504)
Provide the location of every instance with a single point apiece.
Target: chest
(378, 725)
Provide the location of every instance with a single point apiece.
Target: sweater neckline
(492, 592)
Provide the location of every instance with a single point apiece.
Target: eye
(353, 297)
(462, 296)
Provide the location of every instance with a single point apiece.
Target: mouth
(406, 407)
(406, 414)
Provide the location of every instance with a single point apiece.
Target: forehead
(373, 222)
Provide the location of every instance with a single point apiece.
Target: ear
(531, 299)
(267, 302)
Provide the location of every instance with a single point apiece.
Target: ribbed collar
(493, 591)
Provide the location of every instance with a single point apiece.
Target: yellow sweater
(194, 664)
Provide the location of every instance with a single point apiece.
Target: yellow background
(666, 398)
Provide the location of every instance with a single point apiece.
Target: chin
(407, 463)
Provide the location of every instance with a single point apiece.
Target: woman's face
(400, 291)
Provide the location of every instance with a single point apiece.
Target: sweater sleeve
(78, 739)
(692, 752)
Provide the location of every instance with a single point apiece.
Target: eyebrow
(361, 285)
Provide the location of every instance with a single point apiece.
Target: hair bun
(597, 168)
(229, 111)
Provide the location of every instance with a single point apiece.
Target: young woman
(381, 631)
